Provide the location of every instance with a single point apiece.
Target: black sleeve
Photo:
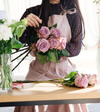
(74, 46)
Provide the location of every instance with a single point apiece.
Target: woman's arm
(74, 46)
(33, 21)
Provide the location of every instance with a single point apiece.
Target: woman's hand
(33, 20)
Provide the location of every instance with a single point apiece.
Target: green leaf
(19, 30)
(72, 84)
(18, 27)
(17, 46)
(49, 55)
(12, 25)
(24, 21)
(5, 46)
(59, 52)
(13, 41)
(1, 21)
(55, 26)
(8, 46)
(65, 53)
(54, 55)
(13, 29)
(69, 83)
(2, 47)
(16, 42)
(72, 78)
(8, 49)
(42, 57)
(15, 24)
(71, 74)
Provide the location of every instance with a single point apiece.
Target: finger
(37, 18)
(31, 23)
(35, 21)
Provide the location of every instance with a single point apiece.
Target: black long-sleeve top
(74, 46)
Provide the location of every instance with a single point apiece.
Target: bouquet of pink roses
(49, 44)
(80, 80)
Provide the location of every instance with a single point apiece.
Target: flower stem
(19, 55)
(19, 50)
(21, 60)
(26, 81)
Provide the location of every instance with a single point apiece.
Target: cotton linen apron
(39, 71)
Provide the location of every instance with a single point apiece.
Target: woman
(44, 14)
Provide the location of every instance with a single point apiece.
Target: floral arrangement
(9, 40)
(49, 44)
(80, 80)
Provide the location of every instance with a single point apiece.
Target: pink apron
(50, 70)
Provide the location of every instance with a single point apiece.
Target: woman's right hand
(33, 20)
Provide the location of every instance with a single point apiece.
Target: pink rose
(92, 79)
(53, 43)
(55, 32)
(62, 43)
(81, 81)
(42, 45)
(43, 32)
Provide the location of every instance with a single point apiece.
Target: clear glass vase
(5, 73)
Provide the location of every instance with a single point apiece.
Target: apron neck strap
(69, 11)
(40, 12)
